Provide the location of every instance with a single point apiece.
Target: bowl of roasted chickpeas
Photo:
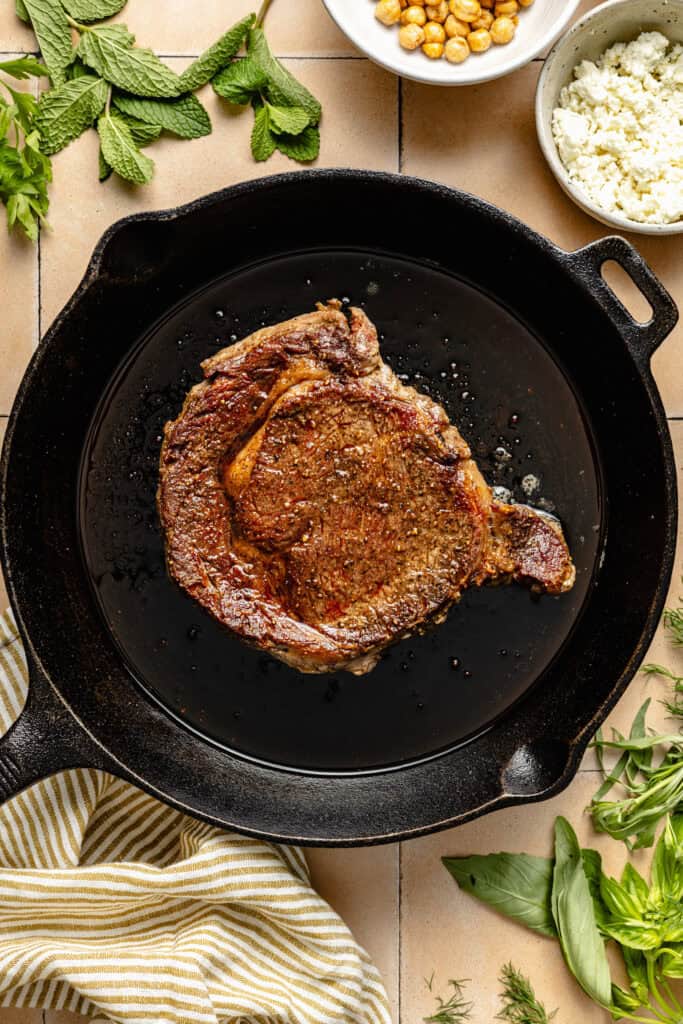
(452, 42)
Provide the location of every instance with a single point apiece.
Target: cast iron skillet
(546, 374)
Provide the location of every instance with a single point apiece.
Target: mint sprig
(286, 114)
(101, 77)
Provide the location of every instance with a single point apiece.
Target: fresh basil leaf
(185, 116)
(109, 50)
(53, 34)
(670, 961)
(20, 8)
(624, 1000)
(240, 81)
(634, 934)
(634, 883)
(65, 112)
(105, 170)
(24, 67)
(287, 120)
(120, 151)
(262, 139)
(582, 946)
(303, 148)
(143, 134)
(282, 88)
(516, 884)
(618, 900)
(636, 967)
(217, 56)
(592, 866)
(93, 10)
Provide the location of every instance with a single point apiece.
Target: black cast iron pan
(548, 378)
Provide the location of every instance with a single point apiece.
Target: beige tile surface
(451, 934)
(359, 100)
(340, 875)
(300, 28)
(484, 141)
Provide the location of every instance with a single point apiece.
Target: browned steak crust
(322, 510)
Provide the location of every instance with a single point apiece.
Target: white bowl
(539, 26)
(612, 22)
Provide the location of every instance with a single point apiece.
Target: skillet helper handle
(45, 739)
(642, 339)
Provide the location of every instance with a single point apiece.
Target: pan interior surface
(513, 404)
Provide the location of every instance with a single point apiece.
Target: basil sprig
(587, 909)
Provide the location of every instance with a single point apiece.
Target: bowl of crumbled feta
(609, 114)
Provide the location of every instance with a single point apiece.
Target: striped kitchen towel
(115, 906)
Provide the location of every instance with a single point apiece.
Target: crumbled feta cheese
(619, 129)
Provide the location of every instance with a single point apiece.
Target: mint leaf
(304, 147)
(109, 50)
(105, 169)
(93, 10)
(23, 67)
(143, 134)
(20, 8)
(239, 81)
(262, 140)
(282, 89)
(185, 116)
(53, 35)
(287, 120)
(65, 112)
(217, 56)
(121, 153)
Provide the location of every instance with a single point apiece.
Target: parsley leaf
(109, 50)
(121, 153)
(23, 67)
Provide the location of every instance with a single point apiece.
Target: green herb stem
(77, 25)
(263, 10)
(672, 998)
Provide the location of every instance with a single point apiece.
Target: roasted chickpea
(411, 36)
(525, 3)
(479, 41)
(465, 10)
(414, 15)
(434, 33)
(505, 8)
(457, 50)
(433, 50)
(502, 30)
(388, 11)
(488, 4)
(437, 12)
(456, 28)
(485, 20)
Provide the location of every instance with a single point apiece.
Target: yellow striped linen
(114, 905)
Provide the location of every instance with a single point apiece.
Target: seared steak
(321, 510)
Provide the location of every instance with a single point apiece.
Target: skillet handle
(642, 339)
(45, 739)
